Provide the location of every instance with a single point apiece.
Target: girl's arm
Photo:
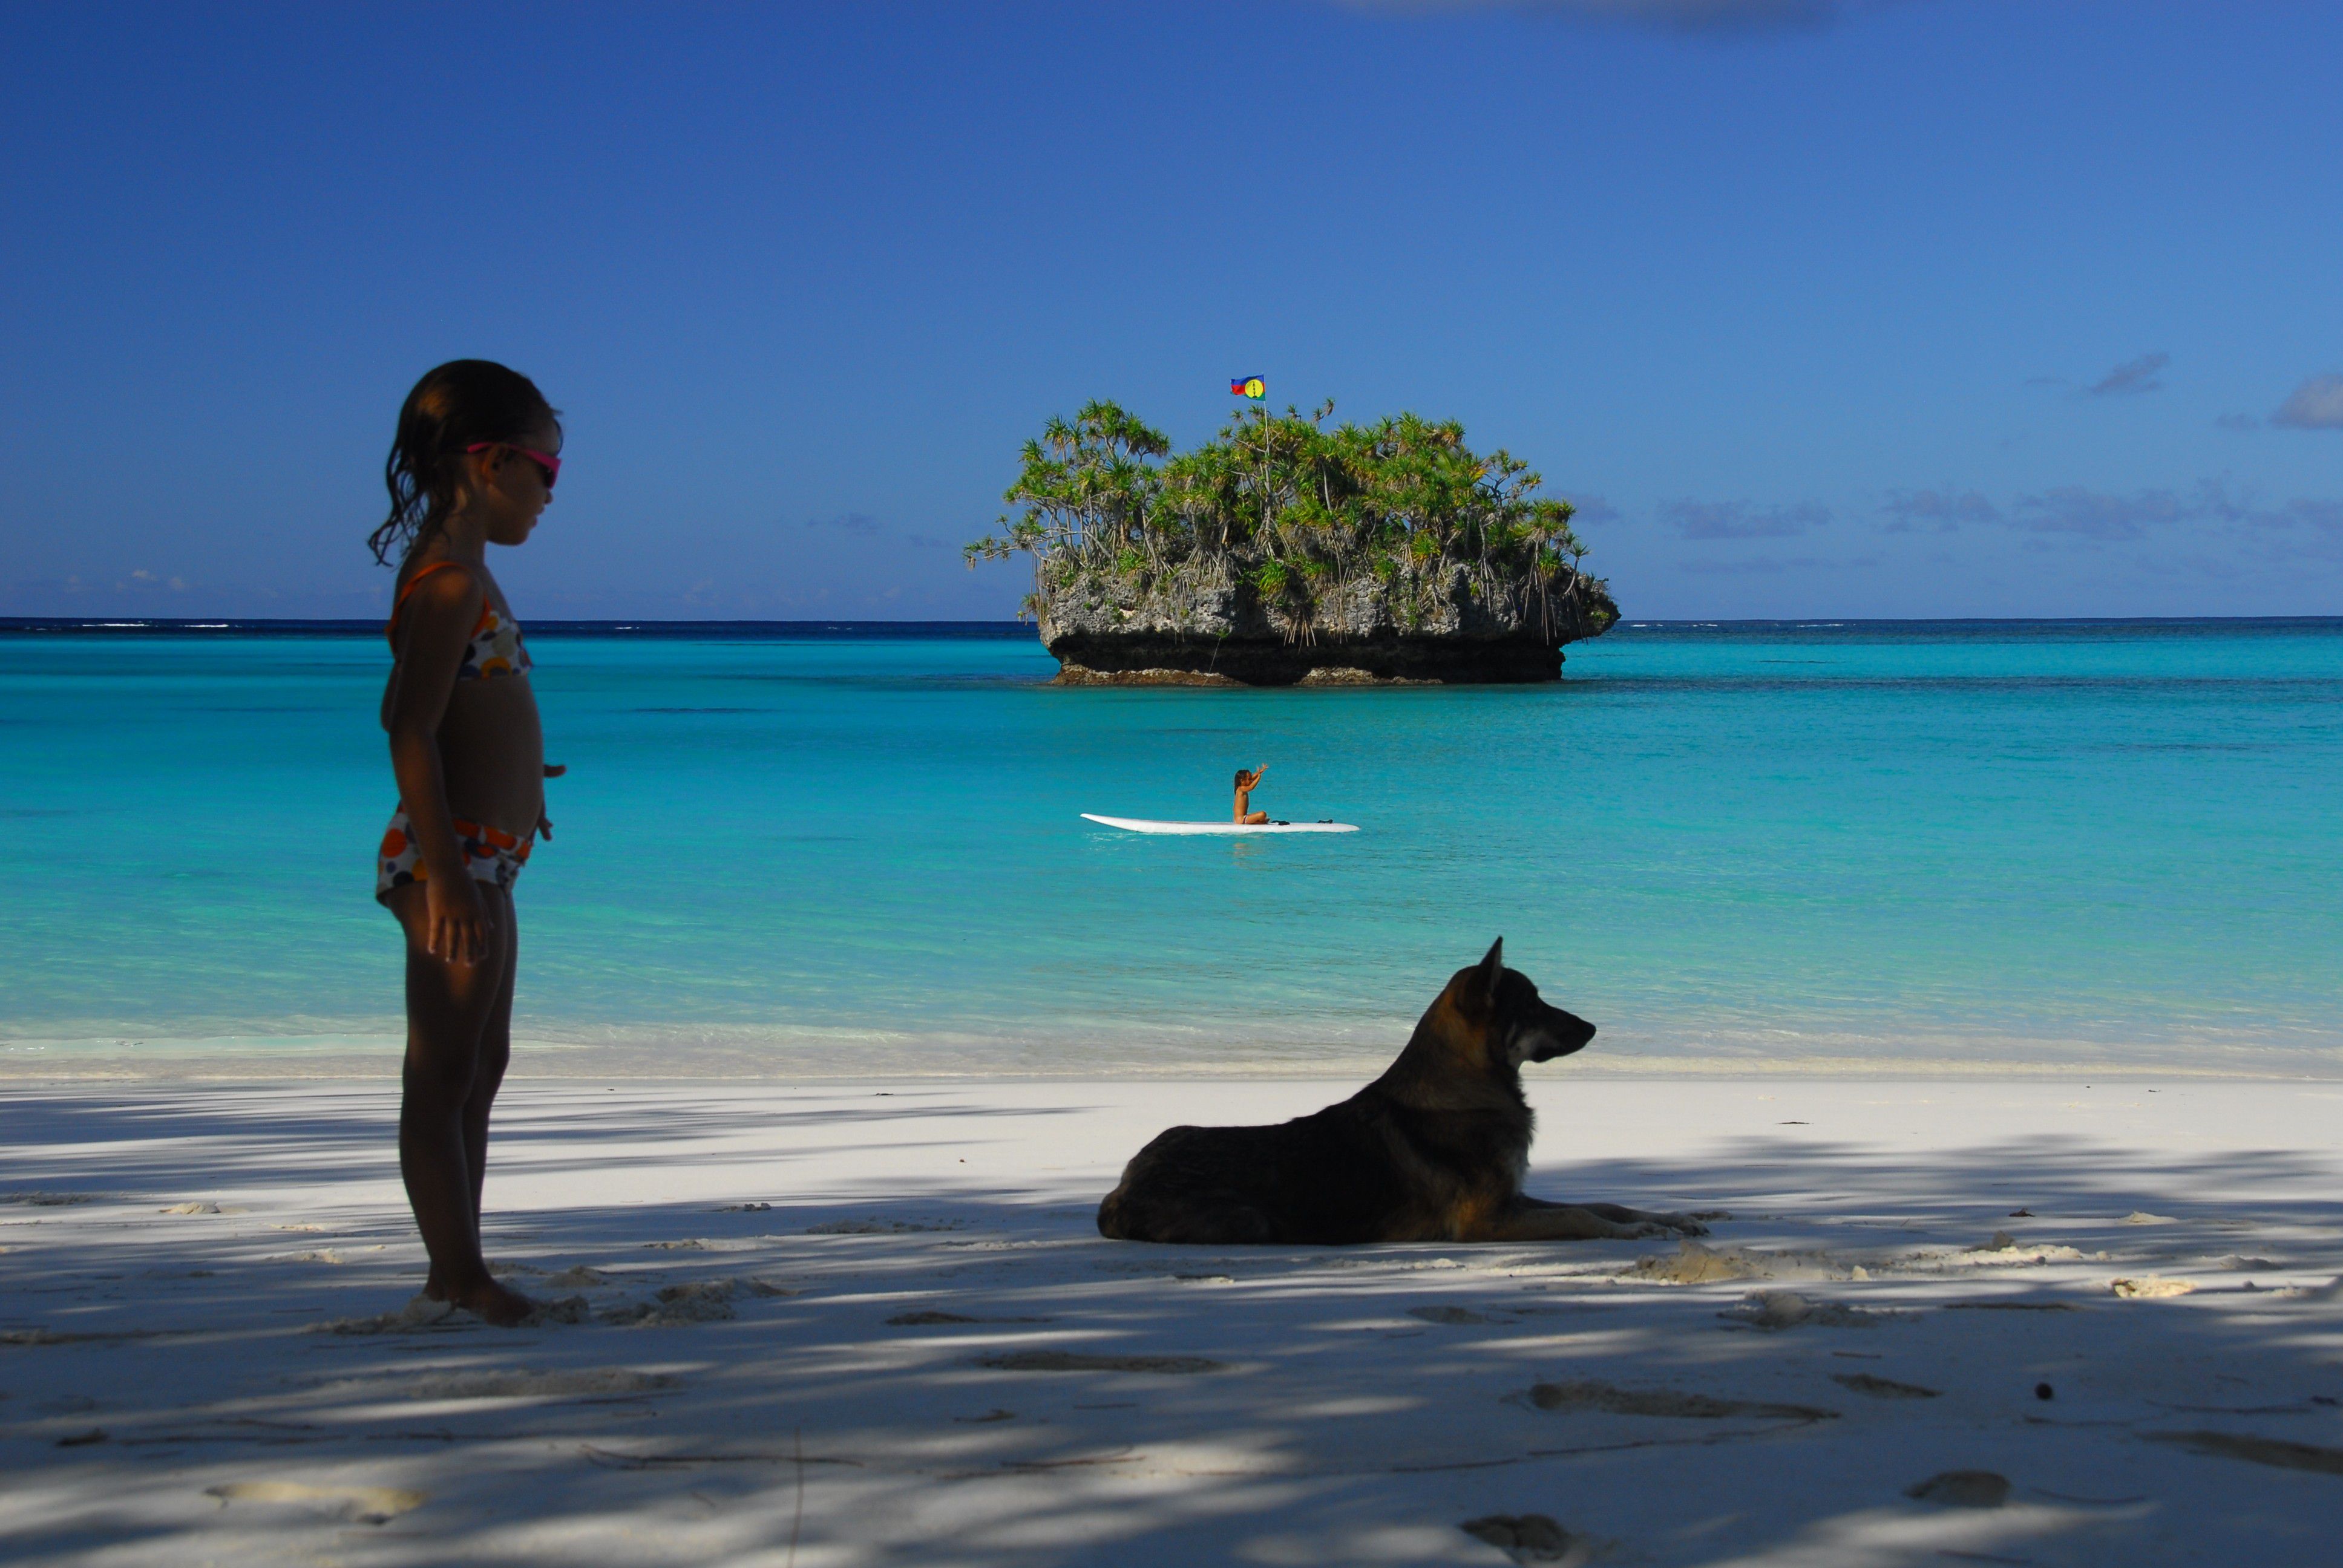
(435, 623)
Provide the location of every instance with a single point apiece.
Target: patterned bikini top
(495, 647)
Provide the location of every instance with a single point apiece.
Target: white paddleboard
(1140, 825)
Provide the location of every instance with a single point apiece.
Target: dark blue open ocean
(1892, 842)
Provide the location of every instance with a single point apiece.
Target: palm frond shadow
(970, 1366)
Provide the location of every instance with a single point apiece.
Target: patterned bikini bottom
(490, 855)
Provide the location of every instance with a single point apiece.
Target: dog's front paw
(1688, 1225)
(1642, 1230)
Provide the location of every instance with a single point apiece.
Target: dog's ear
(1492, 970)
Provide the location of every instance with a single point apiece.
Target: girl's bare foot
(432, 1291)
(492, 1303)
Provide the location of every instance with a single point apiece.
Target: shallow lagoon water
(2009, 843)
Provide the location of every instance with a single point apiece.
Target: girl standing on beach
(473, 465)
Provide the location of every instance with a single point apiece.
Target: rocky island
(1284, 552)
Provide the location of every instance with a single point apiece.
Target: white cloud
(1940, 511)
(1754, 564)
(2104, 515)
(2315, 405)
(1740, 520)
(2084, 513)
(2132, 375)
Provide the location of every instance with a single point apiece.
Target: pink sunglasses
(547, 463)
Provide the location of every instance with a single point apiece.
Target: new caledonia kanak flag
(1252, 387)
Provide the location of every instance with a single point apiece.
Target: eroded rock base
(1157, 660)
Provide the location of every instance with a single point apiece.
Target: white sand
(808, 1382)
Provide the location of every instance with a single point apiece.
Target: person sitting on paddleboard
(1246, 783)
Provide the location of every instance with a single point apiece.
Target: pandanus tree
(1090, 496)
(1300, 512)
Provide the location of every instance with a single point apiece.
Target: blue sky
(1930, 308)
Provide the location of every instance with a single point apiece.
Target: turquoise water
(1998, 842)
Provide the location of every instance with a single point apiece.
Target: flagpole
(1244, 387)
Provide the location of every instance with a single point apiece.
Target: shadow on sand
(891, 1364)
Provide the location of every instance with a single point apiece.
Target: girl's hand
(456, 925)
(544, 822)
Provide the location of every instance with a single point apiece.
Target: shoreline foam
(782, 1056)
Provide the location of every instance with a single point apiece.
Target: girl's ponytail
(461, 404)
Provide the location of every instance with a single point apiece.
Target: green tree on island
(1313, 521)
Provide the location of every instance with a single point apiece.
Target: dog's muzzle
(1544, 1041)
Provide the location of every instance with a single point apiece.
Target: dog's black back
(1428, 1151)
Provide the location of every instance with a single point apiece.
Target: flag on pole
(1252, 387)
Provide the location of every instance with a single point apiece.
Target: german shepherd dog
(1433, 1150)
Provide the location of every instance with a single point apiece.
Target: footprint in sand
(1883, 1387)
(1531, 1537)
(191, 1208)
(576, 1278)
(2257, 1450)
(568, 1310)
(1074, 1360)
(53, 1200)
(2150, 1288)
(1694, 1264)
(699, 1301)
(1666, 1403)
(1777, 1310)
(51, 1337)
(1962, 1489)
(1459, 1316)
(2011, 1307)
(2007, 1249)
(360, 1505)
(521, 1382)
(423, 1313)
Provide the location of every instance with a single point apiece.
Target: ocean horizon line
(848, 628)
